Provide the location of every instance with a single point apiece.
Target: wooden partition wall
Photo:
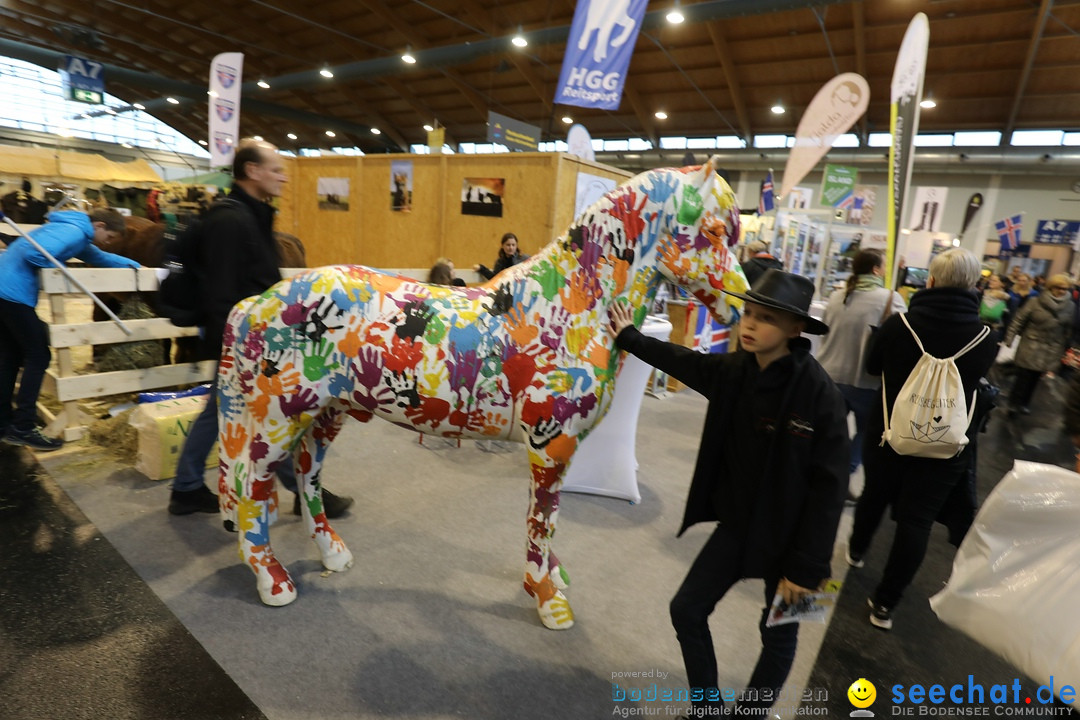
(538, 205)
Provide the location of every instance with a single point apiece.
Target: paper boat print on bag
(927, 433)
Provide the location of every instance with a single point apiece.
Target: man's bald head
(258, 168)
(250, 150)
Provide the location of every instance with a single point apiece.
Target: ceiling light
(927, 104)
(408, 57)
(291, 136)
(429, 128)
(675, 15)
(778, 109)
(567, 119)
(325, 72)
(139, 106)
(257, 138)
(519, 39)
(84, 116)
(203, 143)
(263, 84)
(376, 131)
(172, 101)
(660, 115)
(331, 133)
(110, 111)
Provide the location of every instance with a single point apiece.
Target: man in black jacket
(238, 258)
(760, 261)
(772, 471)
(945, 316)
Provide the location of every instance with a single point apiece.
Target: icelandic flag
(709, 335)
(766, 201)
(1008, 231)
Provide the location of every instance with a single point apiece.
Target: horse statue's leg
(544, 577)
(251, 464)
(308, 459)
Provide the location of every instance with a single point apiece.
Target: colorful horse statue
(527, 356)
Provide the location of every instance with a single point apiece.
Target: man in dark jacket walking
(760, 261)
(772, 471)
(945, 316)
(238, 258)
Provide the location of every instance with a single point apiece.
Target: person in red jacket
(771, 471)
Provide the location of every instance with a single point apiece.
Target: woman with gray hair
(945, 317)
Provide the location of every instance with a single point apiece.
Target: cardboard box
(162, 429)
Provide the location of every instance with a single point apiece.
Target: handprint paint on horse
(526, 357)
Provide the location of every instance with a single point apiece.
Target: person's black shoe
(880, 616)
(334, 506)
(32, 439)
(186, 502)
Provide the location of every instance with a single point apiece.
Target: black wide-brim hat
(785, 291)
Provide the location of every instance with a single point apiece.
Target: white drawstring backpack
(930, 417)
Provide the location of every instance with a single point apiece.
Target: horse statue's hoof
(276, 586)
(339, 561)
(556, 613)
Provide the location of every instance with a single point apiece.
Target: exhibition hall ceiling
(993, 64)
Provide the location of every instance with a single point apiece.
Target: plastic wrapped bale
(1015, 581)
(162, 428)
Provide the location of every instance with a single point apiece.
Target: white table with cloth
(605, 463)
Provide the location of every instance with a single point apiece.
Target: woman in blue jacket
(24, 339)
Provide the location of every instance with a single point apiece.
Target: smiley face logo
(862, 693)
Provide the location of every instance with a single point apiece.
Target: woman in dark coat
(508, 257)
(1044, 324)
(945, 316)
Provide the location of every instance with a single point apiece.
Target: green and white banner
(838, 186)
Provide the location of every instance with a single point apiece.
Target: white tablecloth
(605, 463)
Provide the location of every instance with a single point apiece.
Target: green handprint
(315, 365)
(691, 206)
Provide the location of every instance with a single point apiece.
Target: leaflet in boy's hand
(812, 608)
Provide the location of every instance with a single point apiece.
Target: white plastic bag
(1006, 353)
(1016, 578)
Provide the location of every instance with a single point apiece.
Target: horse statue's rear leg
(545, 578)
(308, 463)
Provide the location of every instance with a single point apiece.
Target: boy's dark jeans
(719, 566)
(24, 341)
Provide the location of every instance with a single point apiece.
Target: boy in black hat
(772, 471)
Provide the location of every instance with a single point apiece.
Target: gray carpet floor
(432, 621)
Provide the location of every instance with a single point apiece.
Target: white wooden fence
(70, 388)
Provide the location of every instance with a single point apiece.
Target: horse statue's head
(696, 246)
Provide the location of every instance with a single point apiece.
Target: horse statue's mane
(525, 356)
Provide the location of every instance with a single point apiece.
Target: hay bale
(133, 355)
(116, 435)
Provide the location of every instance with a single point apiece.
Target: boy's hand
(791, 592)
(620, 316)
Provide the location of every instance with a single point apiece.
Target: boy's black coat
(805, 478)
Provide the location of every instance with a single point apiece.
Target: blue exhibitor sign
(84, 80)
(1057, 232)
(598, 51)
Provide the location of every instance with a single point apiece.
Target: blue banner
(1057, 232)
(602, 39)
